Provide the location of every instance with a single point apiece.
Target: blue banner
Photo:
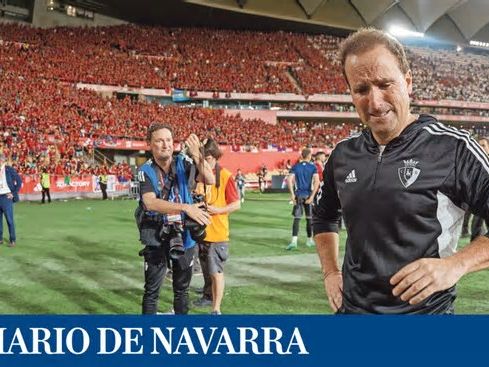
(179, 95)
(232, 341)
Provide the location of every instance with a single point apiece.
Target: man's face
(485, 145)
(211, 161)
(380, 91)
(161, 144)
(322, 158)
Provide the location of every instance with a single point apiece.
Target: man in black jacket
(401, 184)
(478, 222)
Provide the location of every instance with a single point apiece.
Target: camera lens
(176, 246)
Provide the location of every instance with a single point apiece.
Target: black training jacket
(400, 205)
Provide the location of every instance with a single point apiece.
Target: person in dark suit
(10, 184)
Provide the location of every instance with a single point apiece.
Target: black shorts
(301, 207)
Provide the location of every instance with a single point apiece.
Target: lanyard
(164, 179)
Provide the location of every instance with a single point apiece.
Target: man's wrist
(184, 208)
(196, 158)
(457, 262)
(326, 274)
(221, 211)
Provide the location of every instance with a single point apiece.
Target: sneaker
(310, 242)
(171, 311)
(291, 246)
(216, 313)
(202, 302)
(11, 244)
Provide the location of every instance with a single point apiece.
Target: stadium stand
(47, 121)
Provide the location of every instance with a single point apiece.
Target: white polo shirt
(3, 182)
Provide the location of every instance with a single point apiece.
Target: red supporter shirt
(320, 170)
(231, 191)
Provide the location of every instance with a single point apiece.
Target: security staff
(402, 185)
(102, 180)
(166, 203)
(45, 185)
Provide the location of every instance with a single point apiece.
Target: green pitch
(81, 257)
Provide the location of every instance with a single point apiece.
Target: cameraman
(166, 204)
(222, 199)
(303, 183)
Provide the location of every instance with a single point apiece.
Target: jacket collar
(407, 134)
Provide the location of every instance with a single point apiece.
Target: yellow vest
(45, 180)
(218, 229)
(103, 179)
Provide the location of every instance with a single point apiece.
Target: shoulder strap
(218, 175)
(151, 173)
(191, 178)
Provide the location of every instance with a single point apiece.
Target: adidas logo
(352, 177)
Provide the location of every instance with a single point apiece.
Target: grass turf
(81, 257)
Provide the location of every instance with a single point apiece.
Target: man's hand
(309, 200)
(213, 210)
(420, 279)
(193, 144)
(196, 212)
(10, 196)
(333, 284)
(293, 199)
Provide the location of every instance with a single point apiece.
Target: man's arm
(467, 183)
(207, 175)
(327, 246)
(315, 187)
(205, 172)
(291, 184)
(325, 221)
(232, 200)
(420, 279)
(228, 209)
(18, 180)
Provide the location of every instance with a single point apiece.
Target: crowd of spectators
(443, 74)
(153, 57)
(199, 59)
(45, 120)
(315, 133)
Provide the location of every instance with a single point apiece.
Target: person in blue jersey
(303, 182)
(169, 218)
(241, 185)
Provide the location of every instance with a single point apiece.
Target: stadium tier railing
(69, 187)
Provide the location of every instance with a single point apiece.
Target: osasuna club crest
(409, 173)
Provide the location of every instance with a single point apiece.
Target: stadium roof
(457, 21)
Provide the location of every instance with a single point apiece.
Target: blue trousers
(7, 209)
